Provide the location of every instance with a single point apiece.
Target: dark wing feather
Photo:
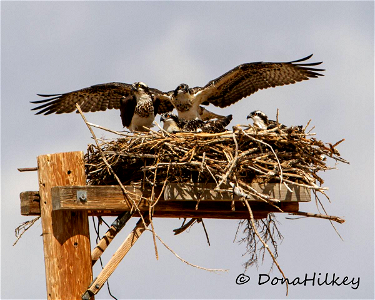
(94, 98)
(246, 79)
(127, 108)
(163, 100)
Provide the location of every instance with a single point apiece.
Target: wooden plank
(109, 200)
(112, 198)
(206, 192)
(111, 233)
(115, 260)
(224, 214)
(66, 238)
(105, 197)
(65, 198)
(30, 203)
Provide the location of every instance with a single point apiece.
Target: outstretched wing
(94, 98)
(163, 100)
(246, 79)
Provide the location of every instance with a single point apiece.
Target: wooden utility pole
(65, 233)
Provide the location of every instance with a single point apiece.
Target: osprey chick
(261, 121)
(173, 124)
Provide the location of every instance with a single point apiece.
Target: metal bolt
(82, 196)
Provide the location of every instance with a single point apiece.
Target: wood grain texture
(30, 203)
(66, 237)
(109, 200)
(206, 192)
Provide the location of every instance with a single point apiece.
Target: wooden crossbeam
(178, 200)
(207, 192)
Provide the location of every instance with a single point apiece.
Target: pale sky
(56, 47)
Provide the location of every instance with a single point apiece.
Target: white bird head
(183, 88)
(170, 122)
(140, 86)
(259, 118)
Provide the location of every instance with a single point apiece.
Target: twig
(184, 227)
(205, 231)
(20, 230)
(186, 262)
(268, 145)
(106, 129)
(321, 204)
(232, 164)
(27, 169)
(311, 215)
(150, 212)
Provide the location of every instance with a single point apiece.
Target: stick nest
(234, 158)
(241, 156)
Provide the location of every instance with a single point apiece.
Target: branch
(311, 215)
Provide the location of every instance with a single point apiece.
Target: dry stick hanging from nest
(319, 216)
(20, 230)
(136, 206)
(150, 211)
(330, 219)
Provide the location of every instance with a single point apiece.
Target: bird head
(168, 117)
(171, 122)
(182, 88)
(259, 118)
(140, 86)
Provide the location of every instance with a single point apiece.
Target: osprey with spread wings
(139, 103)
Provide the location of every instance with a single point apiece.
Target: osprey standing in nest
(240, 82)
(137, 102)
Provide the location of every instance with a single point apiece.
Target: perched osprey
(261, 121)
(173, 124)
(240, 82)
(137, 102)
